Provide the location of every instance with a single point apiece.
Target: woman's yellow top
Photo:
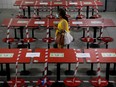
(62, 25)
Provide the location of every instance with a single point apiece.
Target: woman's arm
(64, 26)
(55, 26)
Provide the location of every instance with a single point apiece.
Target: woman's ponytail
(63, 14)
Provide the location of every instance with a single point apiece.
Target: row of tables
(15, 22)
(53, 3)
(9, 56)
(49, 23)
(56, 3)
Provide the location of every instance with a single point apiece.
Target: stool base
(24, 73)
(110, 85)
(3, 73)
(113, 72)
(22, 46)
(57, 84)
(69, 72)
(5, 84)
(94, 45)
(49, 72)
(91, 72)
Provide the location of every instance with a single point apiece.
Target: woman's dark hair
(62, 13)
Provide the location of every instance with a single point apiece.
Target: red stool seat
(20, 82)
(10, 40)
(30, 39)
(69, 82)
(95, 16)
(50, 16)
(86, 39)
(79, 7)
(41, 84)
(50, 40)
(107, 39)
(80, 16)
(21, 16)
(94, 82)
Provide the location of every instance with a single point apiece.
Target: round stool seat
(40, 83)
(95, 16)
(10, 40)
(50, 16)
(20, 82)
(21, 16)
(70, 83)
(79, 7)
(30, 39)
(107, 39)
(94, 82)
(48, 40)
(80, 16)
(86, 39)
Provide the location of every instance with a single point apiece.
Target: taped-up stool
(90, 72)
(20, 82)
(69, 71)
(107, 40)
(48, 40)
(95, 83)
(40, 83)
(87, 40)
(25, 40)
(36, 13)
(80, 15)
(51, 16)
(72, 82)
(87, 37)
(96, 15)
(20, 15)
(9, 40)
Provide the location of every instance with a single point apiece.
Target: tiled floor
(36, 69)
